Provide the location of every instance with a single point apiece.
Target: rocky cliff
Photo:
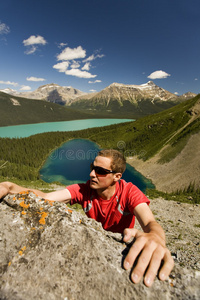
(49, 251)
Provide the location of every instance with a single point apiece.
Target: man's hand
(153, 251)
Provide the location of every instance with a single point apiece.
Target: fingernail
(126, 265)
(135, 277)
(148, 281)
(162, 276)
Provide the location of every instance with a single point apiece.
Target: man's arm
(12, 188)
(151, 246)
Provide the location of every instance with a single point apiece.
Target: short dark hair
(118, 162)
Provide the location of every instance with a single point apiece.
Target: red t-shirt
(115, 214)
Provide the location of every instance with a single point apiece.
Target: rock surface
(49, 251)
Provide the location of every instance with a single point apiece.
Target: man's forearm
(12, 188)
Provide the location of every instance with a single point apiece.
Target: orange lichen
(23, 192)
(22, 204)
(43, 216)
(9, 263)
(48, 201)
(70, 211)
(14, 198)
(23, 212)
(22, 250)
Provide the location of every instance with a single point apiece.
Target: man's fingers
(143, 262)
(167, 266)
(129, 233)
(134, 251)
(154, 265)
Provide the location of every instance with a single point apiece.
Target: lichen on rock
(50, 251)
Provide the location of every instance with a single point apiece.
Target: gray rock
(48, 251)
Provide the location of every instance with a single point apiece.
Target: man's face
(101, 181)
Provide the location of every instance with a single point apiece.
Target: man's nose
(92, 173)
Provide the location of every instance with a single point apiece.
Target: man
(110, 200)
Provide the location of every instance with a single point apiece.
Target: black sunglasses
(99, 170)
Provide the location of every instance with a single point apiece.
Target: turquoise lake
(20, 131)
(71, 164)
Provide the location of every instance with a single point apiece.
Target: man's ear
(117, 176)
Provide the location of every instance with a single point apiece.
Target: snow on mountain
(138, 92)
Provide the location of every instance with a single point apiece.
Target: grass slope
(125, 108)
(148, 135)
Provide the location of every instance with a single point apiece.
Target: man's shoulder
(129, 187)
(124, 184)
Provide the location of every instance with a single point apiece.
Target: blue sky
(89, 44)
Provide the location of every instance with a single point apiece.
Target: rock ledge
(49, 251)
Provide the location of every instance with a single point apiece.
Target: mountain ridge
(115, 101)
(50, 92)
(67, 94)
(130, 100)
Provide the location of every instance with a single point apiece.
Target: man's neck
(107, 193)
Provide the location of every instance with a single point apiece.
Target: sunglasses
(99, 170)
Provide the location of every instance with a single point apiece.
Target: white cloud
(35, 40)
(69, 53)
(35, 79)
(196, 79)
(25, 88)
(96, 81)
(79, 73)
(31, 43)
(62, 66)
(9, 83)
(86, 66)
(31, 50)
(158, 75)
(75, 65)
(93, 57)
(176, 93)
(61, 45)
(4, 29)
(92, 91)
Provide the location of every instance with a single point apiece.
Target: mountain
(133, 93)
(187, 96)
(15, 110)
(115, 101)
(51, 93)
(129, 100)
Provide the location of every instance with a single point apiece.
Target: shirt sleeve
(136, 196)
(78, 192)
